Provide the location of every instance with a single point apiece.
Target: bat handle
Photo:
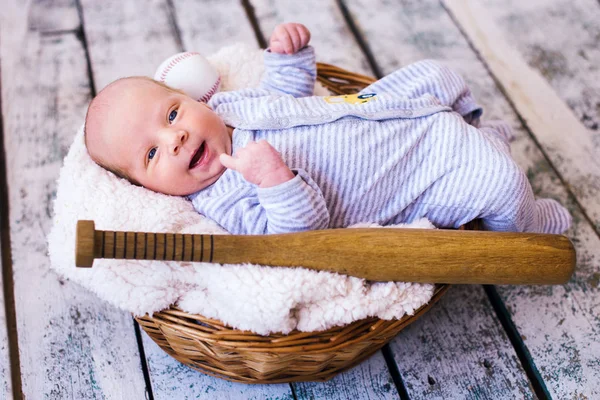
(91, 243)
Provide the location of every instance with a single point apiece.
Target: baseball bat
(410, 255)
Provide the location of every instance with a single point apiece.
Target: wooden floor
(524, 61)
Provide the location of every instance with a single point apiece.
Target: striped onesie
(408, 146)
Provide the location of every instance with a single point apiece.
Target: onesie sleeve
(433, 78)
(293, 74)
(293, 206)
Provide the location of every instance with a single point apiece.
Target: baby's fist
(289, 38)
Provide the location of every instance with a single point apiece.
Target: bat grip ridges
(92, 243)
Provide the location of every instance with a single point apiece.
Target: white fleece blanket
(250, 297)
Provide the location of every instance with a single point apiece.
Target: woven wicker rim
(216, 349)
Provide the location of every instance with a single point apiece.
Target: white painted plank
(5, 380)
(334, 44)
(209, 25)
(548, 317)
(370, 379)
(571, 147)
(71, 345)
(117, 54)
(459, 350)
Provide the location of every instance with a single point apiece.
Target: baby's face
(164, 140)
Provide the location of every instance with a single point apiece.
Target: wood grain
(71, 345)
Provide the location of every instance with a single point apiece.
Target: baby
(276, 159)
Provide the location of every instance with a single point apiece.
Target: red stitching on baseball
(175, 61)
(212, 91)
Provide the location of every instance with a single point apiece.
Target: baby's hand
(289, 38)
(259, 163)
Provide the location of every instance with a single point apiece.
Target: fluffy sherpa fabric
(250, 297)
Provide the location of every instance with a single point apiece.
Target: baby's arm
(259, 163)
(434, 78)
(290, 66)
(282, 201)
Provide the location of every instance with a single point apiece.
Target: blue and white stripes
(405, 153)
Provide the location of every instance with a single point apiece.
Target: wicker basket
(240, 356)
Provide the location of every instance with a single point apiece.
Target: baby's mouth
(198, 156)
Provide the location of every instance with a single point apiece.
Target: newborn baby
(276, 159)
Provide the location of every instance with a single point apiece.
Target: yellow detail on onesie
(350, 98)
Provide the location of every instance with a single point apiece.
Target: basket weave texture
(241, 356)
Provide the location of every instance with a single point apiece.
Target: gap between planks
(7, 269)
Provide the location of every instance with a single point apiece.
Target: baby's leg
(469, 174)
(527, 214)
(487, 185)
(497, 129)
(433, 78)
(511, 205)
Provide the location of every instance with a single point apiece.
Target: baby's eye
(172, 116)
(151, 153)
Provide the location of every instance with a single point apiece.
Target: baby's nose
(178, 138)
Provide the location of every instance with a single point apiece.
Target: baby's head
(155, 136)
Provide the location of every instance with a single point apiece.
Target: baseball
(191, 73)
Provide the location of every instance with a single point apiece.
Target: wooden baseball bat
(410, 255)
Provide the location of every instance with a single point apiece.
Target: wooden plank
(464, 318)
(335, 44)
(548, 317)
(223, 23)
(458, 350)
(572, 148)
(71, 345)
(5, 379)
(115, 54)
(370, 379)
